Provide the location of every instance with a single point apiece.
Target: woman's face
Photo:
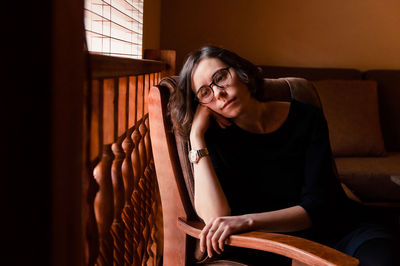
(229, 101)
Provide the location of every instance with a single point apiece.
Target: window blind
(114, 27)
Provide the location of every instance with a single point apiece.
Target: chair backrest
(173, 169)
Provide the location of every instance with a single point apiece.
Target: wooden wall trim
(107, 67)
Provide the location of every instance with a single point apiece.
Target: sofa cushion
(372, 179)
(351, 110)
(389, 95)
(285, 89)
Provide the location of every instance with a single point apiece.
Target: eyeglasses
(221, 78)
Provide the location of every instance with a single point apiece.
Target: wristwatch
(195, 155)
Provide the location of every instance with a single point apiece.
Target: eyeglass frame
(213, 83)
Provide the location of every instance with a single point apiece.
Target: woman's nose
(219, 92)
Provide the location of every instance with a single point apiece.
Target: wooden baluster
(142, 188)
(122, 105)
(104, 202)
(137, 234)
(143, 218)
(147, 82)
(147, 142)
(120, 119)
(127, 215)
(91, 186)
(154, 207)
(145, 213)
(95, 142)
(142, 146)
(91, 224)
(136, 162)
(103, 205)
(152, 247)
(149, 214)
(137, 170)
(140, 97)
(158, 220)
(155, 80)
(152, 210)
(152, 79)
(109, 121)
(142, 192)
(118, 188)
(152, 241)
(132, 99)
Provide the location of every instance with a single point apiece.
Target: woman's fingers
(216, 238)
(203, 236)
(223, 238)
(213, 239)
(210, 235)
(209, 244)
(214, 235)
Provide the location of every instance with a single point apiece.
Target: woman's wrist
(197, 141)
(250, 222)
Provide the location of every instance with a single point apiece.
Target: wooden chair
(174, 175)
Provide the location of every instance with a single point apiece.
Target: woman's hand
(216, 232)
(201, 120)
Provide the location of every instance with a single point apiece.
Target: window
(114, 27)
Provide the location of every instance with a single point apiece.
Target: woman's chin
(230, 115)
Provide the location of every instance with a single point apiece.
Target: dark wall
(25, 176)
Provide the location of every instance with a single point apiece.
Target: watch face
(193, 156)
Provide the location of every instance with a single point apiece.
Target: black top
(288, 167)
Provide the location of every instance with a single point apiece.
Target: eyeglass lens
(221, 78)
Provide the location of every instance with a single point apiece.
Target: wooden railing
(123, 221)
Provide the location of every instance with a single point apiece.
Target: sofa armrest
(298, 249)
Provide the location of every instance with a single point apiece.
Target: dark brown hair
(182, 104)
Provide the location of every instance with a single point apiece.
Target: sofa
(363, 116)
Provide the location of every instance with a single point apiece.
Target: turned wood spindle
(127, 214)
(117, 230)
(103, 205)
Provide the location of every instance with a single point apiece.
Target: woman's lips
(228, 103)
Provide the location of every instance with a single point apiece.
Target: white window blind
(114, 27)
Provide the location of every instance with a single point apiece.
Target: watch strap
(202, 152)
(196, 155)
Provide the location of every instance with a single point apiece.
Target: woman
(261, 165)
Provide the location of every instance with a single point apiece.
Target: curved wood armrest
(296, 248)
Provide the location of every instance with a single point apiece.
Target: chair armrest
(296, 248)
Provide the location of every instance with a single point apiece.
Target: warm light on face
(221, 78)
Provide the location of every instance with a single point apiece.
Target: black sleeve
(321, 195)
(213, 143)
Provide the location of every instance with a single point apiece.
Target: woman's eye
(220, 77)
(204, 92)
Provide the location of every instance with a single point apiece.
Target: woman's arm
(285, 220)
(209, 199)
(215, 233)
